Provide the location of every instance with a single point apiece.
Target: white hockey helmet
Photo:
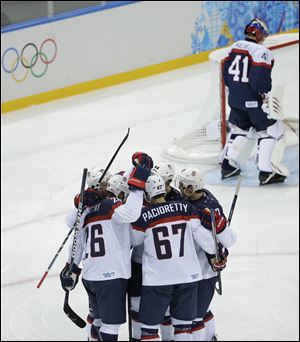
(94, 174)
(155, 185)
(117, 184)
(165, 170)
(191, 177)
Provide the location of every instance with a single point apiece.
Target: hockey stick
(113, 158)
(129, 315)
(67, 309)
(71, 230)
(237, 189)
(55, 257)
(214, 233)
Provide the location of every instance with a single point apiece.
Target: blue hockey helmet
(257, 29)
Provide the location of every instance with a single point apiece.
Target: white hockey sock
(150, 333)
(89, 322)
(198, 330)
(109, 332)
(136, 329)
(210, 327)
(182, 330)
(134, 312)
(166, 329)
(183, 335)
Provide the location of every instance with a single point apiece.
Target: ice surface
(45, 148)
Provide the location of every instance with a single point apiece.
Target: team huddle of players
(147, 233)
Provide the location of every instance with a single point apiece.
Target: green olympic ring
(39, 53)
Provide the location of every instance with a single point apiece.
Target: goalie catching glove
(68, 279)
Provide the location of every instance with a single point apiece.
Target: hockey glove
(143, 159)
(138, 177)
(91, 197)
(68, 282)
(218, 265)
(221, 221)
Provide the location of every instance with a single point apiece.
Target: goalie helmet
(117, 184)
(93, 176)
(155, 185)
(165, 170)
(257, 29)
(190, 177)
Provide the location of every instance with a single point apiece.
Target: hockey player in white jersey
(93, 195)
(104, 249)
(191, 184)
(167, 172)
(247, 75)
(171, 269)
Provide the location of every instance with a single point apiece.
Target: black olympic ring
(36, 54)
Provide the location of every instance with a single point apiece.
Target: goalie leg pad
(270, 149)
(237, 150)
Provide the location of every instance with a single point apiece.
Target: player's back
(247, 73)
(107, 243)
(169, 252)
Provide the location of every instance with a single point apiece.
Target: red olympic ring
(55, 53)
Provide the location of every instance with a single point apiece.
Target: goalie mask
(190, 180)
(165, 170)
(117, 184)
(93, 176)
(155, 185)
(257, 29)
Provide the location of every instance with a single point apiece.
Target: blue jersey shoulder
(207, 200)
(164, 213)
(103, 210)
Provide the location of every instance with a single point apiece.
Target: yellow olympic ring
(23, 59)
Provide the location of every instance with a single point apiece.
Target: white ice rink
(44, 150)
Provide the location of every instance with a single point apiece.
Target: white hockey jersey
(169, 231)
(104, 238)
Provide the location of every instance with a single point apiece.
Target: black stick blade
(73, 316)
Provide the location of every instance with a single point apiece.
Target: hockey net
(203, 143)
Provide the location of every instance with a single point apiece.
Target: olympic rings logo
(28, 60)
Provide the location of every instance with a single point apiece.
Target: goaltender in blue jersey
(247, 75)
